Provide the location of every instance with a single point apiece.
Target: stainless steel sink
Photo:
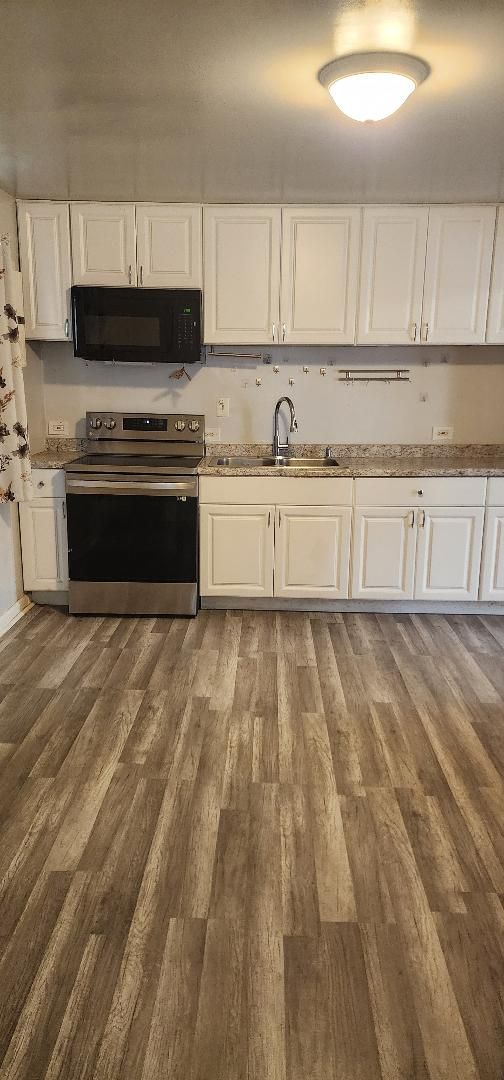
(279, 462)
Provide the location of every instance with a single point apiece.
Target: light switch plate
(58, 427)
(222, 408)
(442, 434)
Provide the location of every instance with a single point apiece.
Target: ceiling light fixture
(372, 85)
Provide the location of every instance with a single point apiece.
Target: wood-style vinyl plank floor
(252, 846)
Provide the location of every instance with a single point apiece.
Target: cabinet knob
(420, 491)
(41, 483)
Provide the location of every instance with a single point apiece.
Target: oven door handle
(181, 488)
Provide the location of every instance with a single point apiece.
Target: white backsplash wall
(461, 387)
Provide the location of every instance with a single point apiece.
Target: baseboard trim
(14, 613)
(407, 607)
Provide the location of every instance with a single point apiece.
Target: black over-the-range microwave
(150, 326)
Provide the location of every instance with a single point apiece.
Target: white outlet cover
(222, 407)
(58, 427)
(212, 435)
(442, 434)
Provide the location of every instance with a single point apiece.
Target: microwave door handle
(132, 487)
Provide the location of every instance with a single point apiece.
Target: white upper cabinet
(169, 246)
(242, 274)
(495, 325)
(44, 244)
(394, 243)
(457, 274)
(103, 243)
(320, 265)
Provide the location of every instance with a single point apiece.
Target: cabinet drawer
(420, 491)
(290, 490)
(48, 483)
(495, 491)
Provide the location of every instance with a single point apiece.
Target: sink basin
(280, 462)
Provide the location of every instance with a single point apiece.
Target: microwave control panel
(186, 331)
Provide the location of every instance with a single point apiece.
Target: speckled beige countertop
(354, 459)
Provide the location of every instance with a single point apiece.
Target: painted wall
(461, 387)
(11, 586)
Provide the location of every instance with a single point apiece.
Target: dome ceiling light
(372, 85)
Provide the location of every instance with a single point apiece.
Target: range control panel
(152, 427)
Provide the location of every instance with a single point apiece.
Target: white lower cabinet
(236, 550)
(492, 567)
(44, 544)
(384, 543)
(312, 551)
(449, 553)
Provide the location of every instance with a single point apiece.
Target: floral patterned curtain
(15, 467)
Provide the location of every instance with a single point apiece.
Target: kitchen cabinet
(394, 245)
(495, 325)
(320, 266)
(236, 550)
(492, 564)
(44, 544)
(383, 560)
(448, 552)
(312, 551)
(457, 274)
(103, 243)
(44, 245)
(169, 246)
(242, 274)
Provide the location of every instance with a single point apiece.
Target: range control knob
(179, 425)
(194, 425)
(110, 423)
(95, 423)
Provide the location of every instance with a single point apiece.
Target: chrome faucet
(278, 447)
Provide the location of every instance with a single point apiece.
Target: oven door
(132, 544)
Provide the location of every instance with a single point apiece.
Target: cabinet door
(394, 243)
(44, 544)
(103, 243)
(236, 553)
(495, 325)
(383, 557)
(457, 274)
(312, 551)
(449, 553)
(242, 274)
(169, 246)
(320, 262)
(44, 247)
(492, 567)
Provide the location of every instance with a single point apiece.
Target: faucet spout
(278, 447)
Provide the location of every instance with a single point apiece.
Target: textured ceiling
(218, 100)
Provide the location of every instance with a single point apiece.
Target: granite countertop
(367, 467)
(354, 460)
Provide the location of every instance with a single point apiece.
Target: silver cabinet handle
(64, 508)
(273, 331)
(141, 275)
(413, 331)
(279, 518)
(425, 332)
(129, 273)
(67, 327)
(421, 522)
(269, 518)
(411, 518)
(284, 331)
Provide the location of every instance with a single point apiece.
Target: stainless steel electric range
(132, 515)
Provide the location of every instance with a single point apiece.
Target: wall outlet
(442, 434)
(58, 427)
(212, 435)
(222, 407)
